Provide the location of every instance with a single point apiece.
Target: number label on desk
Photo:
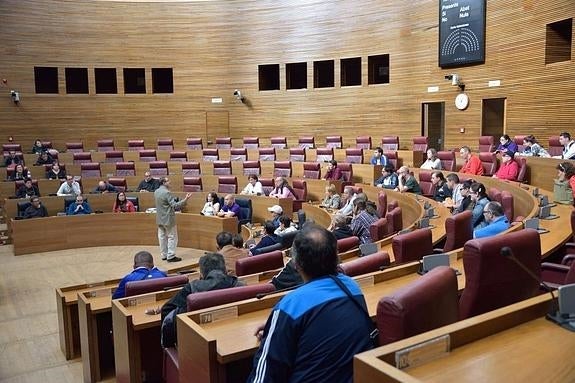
(217, 315)
(142, 301)
(423, 352)
(365, 281)
(99, 293)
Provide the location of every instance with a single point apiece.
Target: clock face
(462, 101)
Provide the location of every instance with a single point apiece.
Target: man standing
(166, 205)
(144, 269)
(472, 163)
(496, 221)
(313, 333)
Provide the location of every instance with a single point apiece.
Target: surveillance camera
(448, 77)
(237, 94)
(15, 96)
(454, 79)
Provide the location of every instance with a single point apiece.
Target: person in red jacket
(509, 168)
(472, 163)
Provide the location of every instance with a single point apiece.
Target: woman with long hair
(212, 205)
(282, 189)
(479, 197)
(123, 205)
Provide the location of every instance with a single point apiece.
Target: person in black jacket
(36, 209)
(339, 227)
(27, 190)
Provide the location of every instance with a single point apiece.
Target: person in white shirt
(254, 187)
(212, 205)
(70, 187)
(348, 196)
(285, 226)
(568, 147)
(432, 162)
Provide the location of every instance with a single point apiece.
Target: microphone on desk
(263, 295)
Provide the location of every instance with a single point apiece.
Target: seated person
(44, 159)
(568, 146)
(12, 159)
(441, 189)
(105, 187)
(212, 205)
(496, 221)
(79, 207)
(20, 173)
(506, 144)
(472, 163)
(479, 199)
(36, 209)
(509, 168)
(56, 173)
(213, 277)
(378, 157)
(566, 174)
(230, 252)
(465, 203)
(38, 148)
(254, 187)
(144, 269)
(276, 212)
(332, 199)
(388, 179)
(347, 198)
(238, 241)
(407, 182)
(282, 189)
(269, 239)
(148, 184)
(532, 148)
(432, 162)
(455, 186)
(339, 227)
(28, 190)
(285, 226)
(361, 221)
(230, 207)
(333, 172)
(123, 205)
(70, 187)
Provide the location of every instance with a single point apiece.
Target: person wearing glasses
(407, 182)
(496, 221)
(480, 199)
(80, 207)
(36, 209)
(505, 144)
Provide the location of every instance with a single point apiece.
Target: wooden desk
(511, 344)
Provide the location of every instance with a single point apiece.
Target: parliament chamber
(210, 92)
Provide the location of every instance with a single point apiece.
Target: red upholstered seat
(171, 366)
(312, 170)
(204, 299)
(522, 175)
(382, 204)
(494, 194)
(158, 168)
(165, 144)
(423, 305)
(147, 155)
(251, 142)
(90, 169)
(346, 244)
(297, 154)
(106, 145)
(180, 156)
(448, 161)
(82, 157)
(458, 230)
(354, 155)
(7, 148)
(210, 154)
(346, 171)
(282, 169)
(279, 142)
(392, 158)
(267, 154)
(306, 142)
(259, 263)
(379, 229)
(300, 190)
(557, 275)
(191, 168)
(252, 167)
(334, 142)
(114, 156)
(124, 169)
(267, 184)
(192, 184)
(392, 205)
(74, 147)
(489, 162)
(425, 184)
(492, 280)
(363, 142)
(507, 204)
(136, 145)
(194, 143)
(155, 284)
(519, 142)
(555, 147)
(486, 144)
(119, 182)
(222, 168)
(223, 142)
(367, 264)
(412, 246)
(420, 144)
(390, 143)
(324, 154)
(238, 154)
(228, 184)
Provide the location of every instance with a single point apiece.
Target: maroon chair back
(349, 243)
(267, 184)
(391, 158)
(346, 171)
(489, 162)
(282, 169)
(228, 184)
(324, 154)
(267, 154)
(492, 280)
(555, 147)
(259, 263)
(382, 204)
(494, 194)
(205, 299)
(354, 155)
(155, 284)
(297, 154)
(192, 184)
(306, 142)
(90, 169)
(147, 155)
(279, 142)
(136, 145)
(106, 145)
(392, 205)
(420, 144)
(519, 142)
(179, 156)
(82, 157)
(222, 168)
(390, 143)
(425, 184)
(165, 144)
(363, 142)
(448, 161)
(210, 154)
(412, 246)
(458, 230)
(252, 167)
(312, 170)
(7, 148)
(486, 144)
(423, 305)
(300, 189)
(118, 182)
(74, 147)
(124, 169)
(356, 189)
(379, 229)
(19, 183)
(238, 154)
(158, 168)
(251, 142)
(394, 219)
(507, 204)
(223, 142)
(334, 142)
(191, 168)
(522, 175)
(114, 156)
(367, 264)
(194, 143)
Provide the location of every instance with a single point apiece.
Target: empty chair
(136, 145)
(228, 184)
(486, 144)
(155, 284)
(334, 142)
(363, 142)
(282, 169)
(324, 154)
(222, 168)
(210, 154)
(312, 170)
(165, 144)
(493, 280)
(423, 305)
(379, 230)
(147, 155)
(82, 157)
(412, 246)
(223, 142)
(203, 299)
(555, 147)
(494, 194)
(519, 142)
(193, 184)
(90, 169)
(367, 264)
(261, 262)
(251, 167)
(390, 143)
(279, 142)
(522, 175)
(191, 168)
(75, 147)
(489, 162)
(354, 155)
(238, 154)
(106, 145)
(307, 142)
(113, 156)
(507, 204)
(447, 159)
(382, 204)
(392, 205)
(458, 230)
(7, 148)
(392, 158)
(554, 274)
(420, 144)
(427, 188)
(194, 143)
(300, 191)
(158, 168)
(346, 171)
(179, 156)
(251, 142)
(119, 183)
(267, 154)
(297, 154)
(347, 244)
(267, 184)
(246, 211)
(124, 169)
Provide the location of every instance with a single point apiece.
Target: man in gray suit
(166, 204)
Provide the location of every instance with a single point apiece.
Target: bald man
(230, 208)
